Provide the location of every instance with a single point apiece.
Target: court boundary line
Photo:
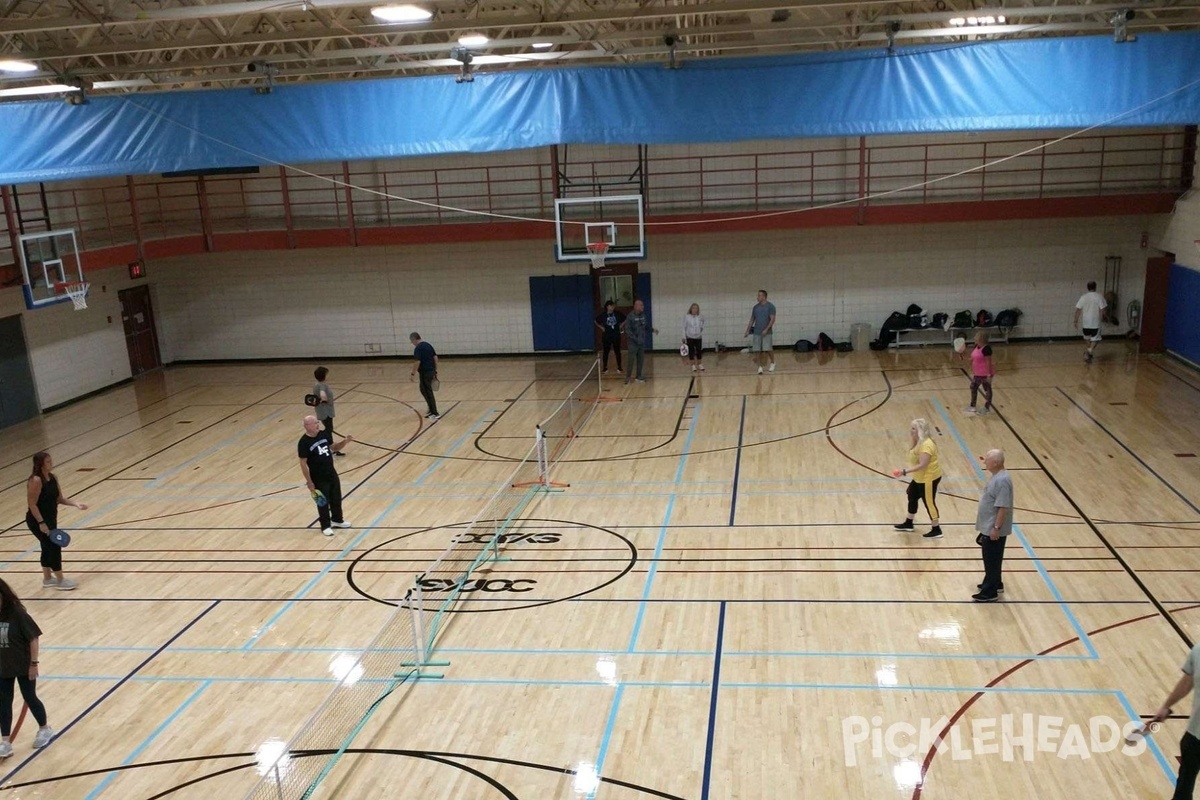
(111, 690)
(1129, 450)
(737, 464)
(1029, 551)
(1132, 573)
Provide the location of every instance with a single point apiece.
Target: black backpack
(940, 320)
(916, 316)
(983, 319)
(895, 322)
(963, 319)
(1008, 318)
(804, 346)
(844, 347)
(824, 342)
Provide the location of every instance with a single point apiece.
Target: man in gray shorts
(762, 322)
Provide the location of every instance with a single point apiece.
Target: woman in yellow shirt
(926, 474)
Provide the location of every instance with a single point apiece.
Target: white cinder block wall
(75, 352)
(474, 297)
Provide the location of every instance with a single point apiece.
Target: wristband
(33, 663)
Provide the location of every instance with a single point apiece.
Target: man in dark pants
(1189, 746)
(426, 366)
(994, 521)
(637, 331)
(315, 451)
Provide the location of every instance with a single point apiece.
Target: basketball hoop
(77, 291)
(597, 251)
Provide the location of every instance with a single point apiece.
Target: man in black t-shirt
(315, 451)
(426, 367)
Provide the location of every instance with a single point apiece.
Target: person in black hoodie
(610, 321)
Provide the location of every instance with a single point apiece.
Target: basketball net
(77, 291)
(597, 251)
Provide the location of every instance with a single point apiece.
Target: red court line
(933, 751)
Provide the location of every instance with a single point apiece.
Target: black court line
(1128, 450)
(689, 600)
(712, 704)
(479, 436)
(1091, 524)
(1179, 378)
(110, 691)
(737, 469)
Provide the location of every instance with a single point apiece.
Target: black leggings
(695, 350)
(51, 553)
(981, 382)
(327, 424)
(610, 346)
(923, 491)
(29, 692)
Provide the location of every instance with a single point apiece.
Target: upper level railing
(681, 179)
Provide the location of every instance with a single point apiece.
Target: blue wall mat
(1030, 84)
(561, 309)
(1183, 313)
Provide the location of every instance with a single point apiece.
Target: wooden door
(1154, 304)
(140, 337)
(616, 282)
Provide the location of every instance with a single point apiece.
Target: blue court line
(737, 467)
(273, 417)
(615, 707)
(662, 533)
(20, 557)
(1150, 743)
(348, 549)
(121, 681)
(1136, 457)
(937, 656)
(606, 739)
(712, 703)
(291, 679)
(577, 652)
(110, 777)
(979, 472)
(875, 687)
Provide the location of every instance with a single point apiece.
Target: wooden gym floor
(696, 617)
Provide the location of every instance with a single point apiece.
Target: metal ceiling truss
(157, 45)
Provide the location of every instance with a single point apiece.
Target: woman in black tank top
(43, 498)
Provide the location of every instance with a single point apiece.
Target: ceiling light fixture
(13, 65)
(542, 45)
(405, 13)
(31, 91)
(473, 40)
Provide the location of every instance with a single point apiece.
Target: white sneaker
(760, 370)
(49, 583)
(328, 531)
(65, 585)
(693, 367)
(43, 737)
(433, 417)
(702, 368)
(5, 749)
(772, 367)
(342, 525)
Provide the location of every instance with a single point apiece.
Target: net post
(543, 457)
(414, 598)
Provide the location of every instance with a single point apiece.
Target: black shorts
(1091, 334)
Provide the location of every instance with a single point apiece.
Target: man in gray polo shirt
(1189, 745)
(994, 523)
(762, 323)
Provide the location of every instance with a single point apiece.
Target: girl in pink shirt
(982, 372)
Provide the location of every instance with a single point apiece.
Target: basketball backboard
(48, 260)
(617, 220)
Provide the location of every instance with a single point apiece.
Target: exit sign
(137, 270)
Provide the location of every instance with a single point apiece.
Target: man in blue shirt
(762, 323)
(426, 366)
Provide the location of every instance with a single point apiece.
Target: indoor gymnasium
(648, 400)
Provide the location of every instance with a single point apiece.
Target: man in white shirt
(1088, 313)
